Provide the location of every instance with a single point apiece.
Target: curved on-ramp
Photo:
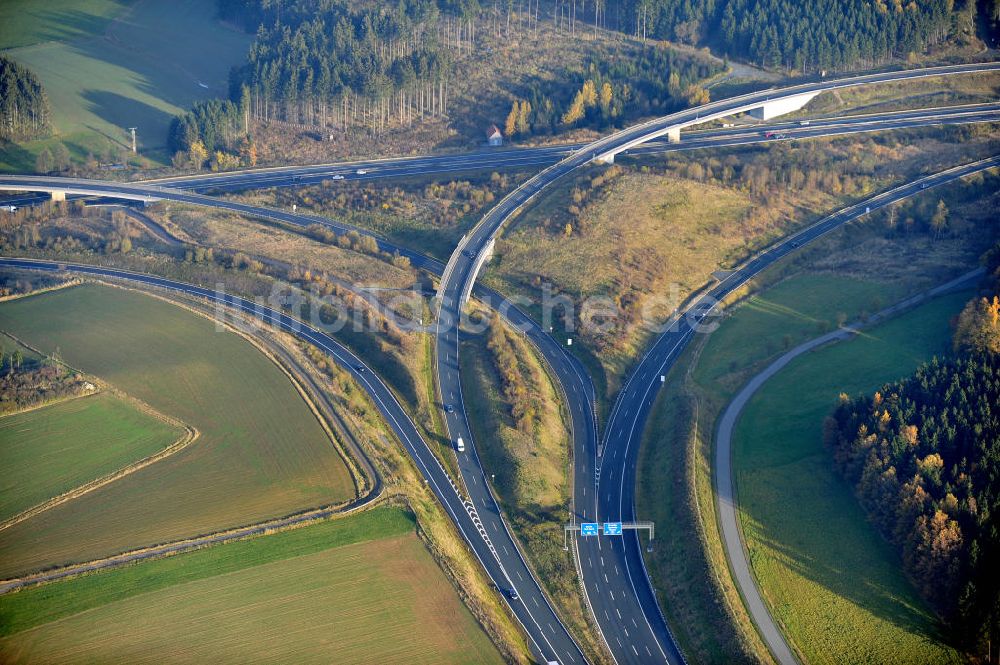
(618, 589)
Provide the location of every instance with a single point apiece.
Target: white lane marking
(618, 612)
(606, 578)
(602, 560)
(633, 649)
(519, 575)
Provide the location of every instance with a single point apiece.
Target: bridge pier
(674, 135)
(57, 196)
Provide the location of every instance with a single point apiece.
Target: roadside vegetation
(843, 277)
(262, 453)
(687, 217)
(522, 434)
(54, 449)
(279, 596)
(807, 537)
(428, 215)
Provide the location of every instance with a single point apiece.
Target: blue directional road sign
(612, 528)
(588, 528)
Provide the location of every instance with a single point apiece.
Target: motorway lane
(620, 595)
(575, 383)
(481, 526)
(626, 424)
(524, 158)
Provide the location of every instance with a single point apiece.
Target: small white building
(493, 136)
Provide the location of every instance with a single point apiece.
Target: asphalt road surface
(480, 525)
(527, 158)
(725, 497)
(648, 637)
(627, 422)
(614, 576)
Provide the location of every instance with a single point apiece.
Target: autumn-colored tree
(197, 154)
(978, 327)
(510, 127)
(604, 100)
(696, 95)
(575, 111)
(939, 220)
(248, 151)
(523, 115)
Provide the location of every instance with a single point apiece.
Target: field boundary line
(358, 478)
(190, 436)
(303, 518)
(55, 287)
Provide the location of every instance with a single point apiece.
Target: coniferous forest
(24, 108)
(806, 36)
(923, 455)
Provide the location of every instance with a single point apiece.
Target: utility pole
(132, 129)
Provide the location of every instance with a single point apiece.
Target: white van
(460, 445)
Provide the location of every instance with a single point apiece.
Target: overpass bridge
(763, 105)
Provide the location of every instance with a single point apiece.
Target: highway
(481, 526)
(622, 602)
(536, 157)
(614, 577)
(627, 421)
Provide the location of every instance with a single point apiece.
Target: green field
(108, 65)
(831, 581)
(45, 452)
(261, 453)
(784, 316)
(353, 590)
(675, 481)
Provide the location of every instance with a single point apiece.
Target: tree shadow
(845, 579)
(69, 25)
(17, 157)
(126, 112)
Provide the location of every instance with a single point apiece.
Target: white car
(9, 208)
(336, 176)
(361, 172)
